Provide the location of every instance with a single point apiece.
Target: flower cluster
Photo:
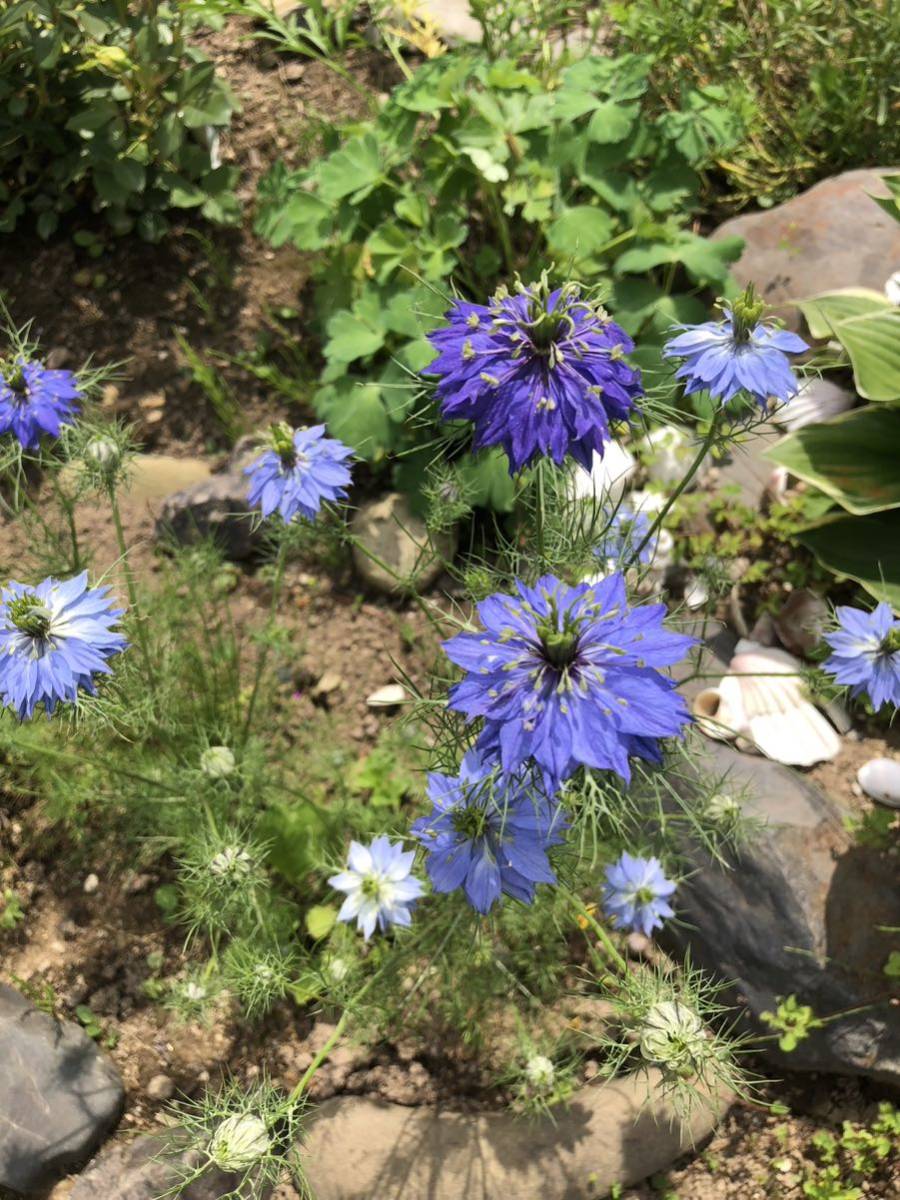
(488, 834)
(302, 469)
(569, 676)
(35, 401)
(54, 639)
(866, 653)
(540, 373)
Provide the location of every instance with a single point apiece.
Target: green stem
(131, 584)
(310, 1071)
(601, 934)
(280, 564)
(502, 226)
(68, 508)
(705, 448)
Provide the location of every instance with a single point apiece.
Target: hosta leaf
(866, 549)
(853, 458)
(823, 313)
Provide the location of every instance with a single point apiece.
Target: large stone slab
(801, 911)
(59, 1096)
(623, 1131)
(143, 1169)
(831, 236)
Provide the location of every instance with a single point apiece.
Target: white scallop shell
(760, 701)
(880, 779)
(607, 479)
(816, 400)
(387, 696)
(668, 452)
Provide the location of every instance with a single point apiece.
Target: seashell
(387, 697)
(668, 453)
(880, 779)
(892, 288)
(646, 502)
(760, 701)
(607, 479)
(816, 400)
(696, 593)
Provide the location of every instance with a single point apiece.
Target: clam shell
(668, 452)
(388, 696)
(760, 701)
(880, 779)
(817, 400)
(607, 479)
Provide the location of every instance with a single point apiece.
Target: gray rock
(747, 466)
(358, 1149)
(59, 1096)
(799, 914)
(392, 534)
(832, 236)
(216, 507)
(144, 1169)
(803, 619)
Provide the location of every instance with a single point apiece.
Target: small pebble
(90, 884)
(161, 1087)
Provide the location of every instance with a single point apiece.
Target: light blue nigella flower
(624, 533)
(379, 886)
(540, 373)
(54, 638)
(739, 354)
(636, 892)
(488, 834)
(867, 653)
(303, 469)
(566, 676)
(35, 401)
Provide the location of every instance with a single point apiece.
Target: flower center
(891, 643)
(746, 311)
(560, 645)
(283, 444)
(644, 895)
(470, 822)
(15, 380)
(30, 615)
(374, 887)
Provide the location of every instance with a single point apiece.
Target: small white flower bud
(231, 861)
(721, 806)
(103, 452)
(672, 1035)
(239, 1142)
(540, 1072)
(338, 969)
(217, 762)
(194, 992)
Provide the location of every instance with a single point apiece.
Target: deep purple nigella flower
(540, 373)
(488, 834)
(35, 401)
(567, 676)
(379, 886)
(303, 468)
(738, 354)
(867, 653)
(625, 532)
(636, 892)
(54, 638)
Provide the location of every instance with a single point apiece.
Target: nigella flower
(379, 885)
(35, 401)
(636, 892)
(624, 534)
(569, 675)
(488, 834)
(54, 638)
(867, 653)
(540, 373)
(738, 354)
(303, 468)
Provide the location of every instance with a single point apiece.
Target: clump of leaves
(475, 170)
(857, 1156)
(793, 1021)
(110, 106)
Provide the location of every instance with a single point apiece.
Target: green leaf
(301, 218)
(382, 777)
(356, 414)
(435, 84)
(352, 335)
(612, 122)
(616, 187)
(579, 232)
(853, 458)
(294, 833)
(868, 327)
(352, 171)
(319, 920)
(866, 549)
(488, 482)
(823, 313)
(670, 184)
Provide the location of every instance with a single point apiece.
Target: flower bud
(217, 762)
(673, 1037)
(231, 861)
(239, 1142)
(103, 452)
(540, 1072)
